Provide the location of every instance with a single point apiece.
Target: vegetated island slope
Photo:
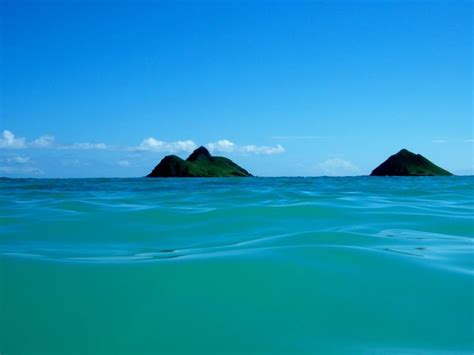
(406, 163)
(199, 164)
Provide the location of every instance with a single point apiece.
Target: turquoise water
(237, 266)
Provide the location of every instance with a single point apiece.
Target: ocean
(356, 265)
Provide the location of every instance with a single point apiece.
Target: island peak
(406, 163)
(200, 163)
(200, 153)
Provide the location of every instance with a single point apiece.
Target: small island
(406, 163)
(199, 164)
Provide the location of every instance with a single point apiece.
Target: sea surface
(359, 265)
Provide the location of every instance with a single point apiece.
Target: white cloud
(123, 163)
(469, 140)
(19, 165)
(262, 149)
(149, 144)
(338, 167)
(439, 141)
(9, 140)
(226, 146)
(74, 163)
(30, 170)
(154, 145)
(19, 160)
(86, 146)
(80, 146)
(295, 137)
(45, 141)
(222, 145)
(184, 146)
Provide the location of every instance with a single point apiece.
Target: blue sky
(108, 88)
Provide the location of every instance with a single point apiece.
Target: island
(406, 163)
(199, 164)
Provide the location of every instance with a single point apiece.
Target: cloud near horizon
(8, 140)
(123, 163)
(155, 145)
(338, 167)
(296, 137)
(226, 146)
(85, 146)
(19, 165)
(45, 141)
(221, 146)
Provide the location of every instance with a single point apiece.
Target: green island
(406, 163)
(199, 164)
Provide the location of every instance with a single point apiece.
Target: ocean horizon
(368, 265)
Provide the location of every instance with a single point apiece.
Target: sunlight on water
(257, 265)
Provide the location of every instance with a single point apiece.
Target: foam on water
(273, 265)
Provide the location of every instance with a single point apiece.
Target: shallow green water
(237, 266)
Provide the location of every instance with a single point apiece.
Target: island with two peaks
(406, 163)
(202, 164)
(199, 164)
